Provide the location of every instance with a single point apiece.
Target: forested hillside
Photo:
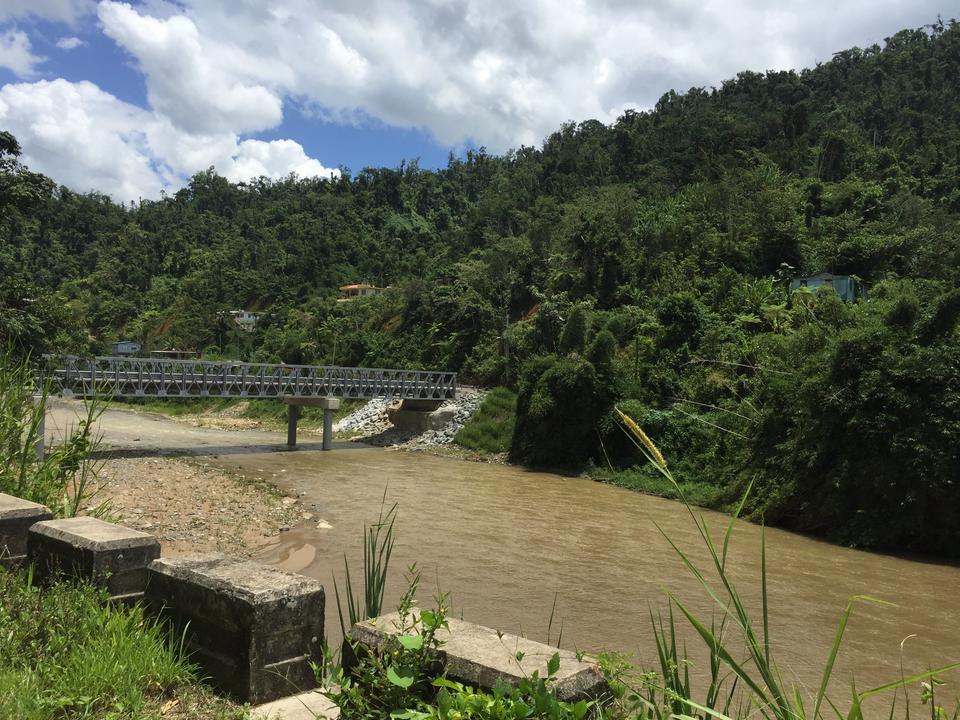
(646, 263)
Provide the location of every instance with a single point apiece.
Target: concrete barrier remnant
(254, 629)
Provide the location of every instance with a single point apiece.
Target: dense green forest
(646, 263)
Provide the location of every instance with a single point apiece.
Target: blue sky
(365, 142)
(132, 98)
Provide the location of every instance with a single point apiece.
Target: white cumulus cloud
(69, 43)
(16, 53)
(255, 158)
(56, 10)
(200, 84)
(496, 73)
(82, 136)
(88, 139)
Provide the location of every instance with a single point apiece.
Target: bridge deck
(150, 377)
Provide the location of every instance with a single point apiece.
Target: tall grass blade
(717, 647)
(907, 680)
(763, 594)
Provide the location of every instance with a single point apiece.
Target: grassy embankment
(489, 430)
(65, 653)
(643, 479)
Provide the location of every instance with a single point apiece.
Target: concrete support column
(293, 414)
(329, 404)
(328, 428)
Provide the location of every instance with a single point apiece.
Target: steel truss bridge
(297, 385)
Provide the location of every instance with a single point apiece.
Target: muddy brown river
(505, 542)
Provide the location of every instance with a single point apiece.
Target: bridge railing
(165, 377)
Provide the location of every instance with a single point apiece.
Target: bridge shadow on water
(200, 450)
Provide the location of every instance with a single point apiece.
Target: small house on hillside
(245, 319)
(350, 292)
(124, 348)
(847, 287)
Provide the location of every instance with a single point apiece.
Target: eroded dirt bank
(163, 478)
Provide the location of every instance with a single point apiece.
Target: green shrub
(574, 331)
(398, 674)
(601, 352)
(558, 406)
(858, 441)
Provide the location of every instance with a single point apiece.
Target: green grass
(270, 412)
(176, 407)
(646, 481)
(64, 653)
(491, 427)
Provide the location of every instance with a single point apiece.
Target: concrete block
(420, 421)
(253, 628)
(312, 705)
(416, 405)
(16, 518)
(479, 656)
(110, 556)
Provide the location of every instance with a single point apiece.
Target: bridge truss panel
(163, 377)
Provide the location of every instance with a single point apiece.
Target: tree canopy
(646, 262)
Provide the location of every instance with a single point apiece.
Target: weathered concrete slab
(417, 405)
(254, 629)
(420, 420)
(111, 556)
(479, 656)
(311, 705)
(16, 518)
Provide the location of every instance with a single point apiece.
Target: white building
(245, 319)
(124, 347)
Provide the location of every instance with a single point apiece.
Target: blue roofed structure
(847, 287)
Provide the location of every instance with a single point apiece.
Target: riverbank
(356, 421)
(192, 506)
(507, 542)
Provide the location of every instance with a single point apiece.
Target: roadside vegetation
(66, 653)
(652, 261)
(64, 478)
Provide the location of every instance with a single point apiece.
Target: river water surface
(506, 542)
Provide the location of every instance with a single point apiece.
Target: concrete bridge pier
(293, 415)
(329, 404)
